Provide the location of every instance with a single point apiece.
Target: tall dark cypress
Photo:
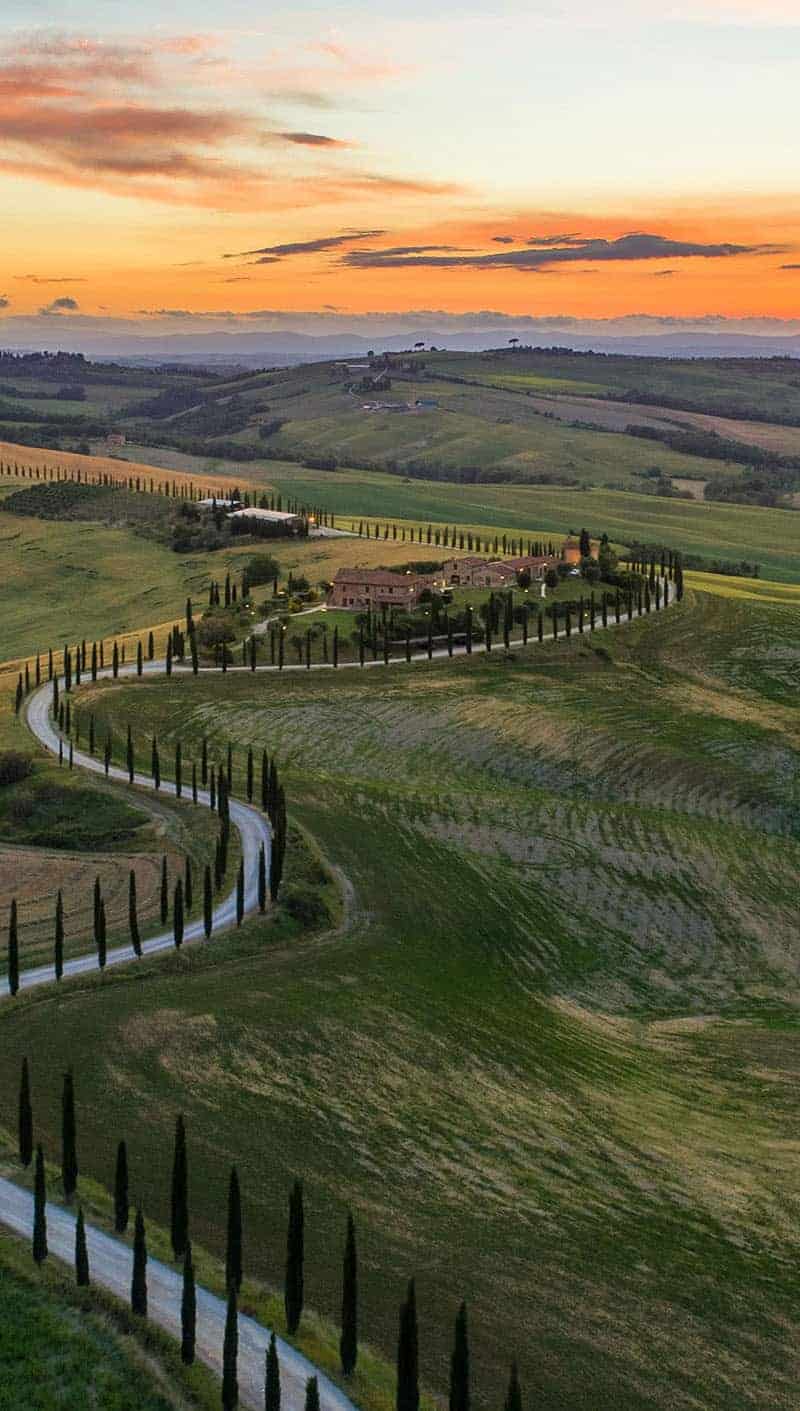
(25, 1117)
(262, 879)
(59, 938)
(295, 1254)
(240, 893)
(408, 1354)
(164, 896)
(208, 901)
(233, 1248)
(264, 781)
(139, 1276)
(513, 1401)
(129, 759)
(177, 914)
(39, 1211)
(139, 659)
(121, 1199)
(179, 1221)
(459, 1364)
(101, 935)
(348, 1342)
(13, 950)
(230, 1354)
(178, 770)
(272, 1378)
(188, 884)
(155, 764)
(133, 916)
(188, 1310)
(81, 1252)
(69, 1152)
(312, 1395)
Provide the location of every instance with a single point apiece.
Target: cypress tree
(81, 1252)
(194, 782)
(208, 902)
(25, 1117)
(155, 765)
(133, 919)
(513, 1401)
(262, 879)
(39, 1211)
(408, 1354)
(272, 1379)
(59, 938)
(13, 951)
(121, 1202)
(233, 1248)
(348, 1342)
(151, 647)
(129, 756)
(115, 659)
(69, 1153)
(312, 1395)
(139, 659)
(459, 1364)
(188, 1310)
(230, 1354)
(212, 790)
(177, 914)
(229, 770)
(18, 697)
(193, 649)
(187, 884)
(295, 1240)
(139, 1276)
(179, 1220)
(168, 657)
(264, 781)
(164, 896)
(240, 893)
(94, 661)
(101, 935)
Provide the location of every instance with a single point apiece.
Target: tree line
(407, 1386)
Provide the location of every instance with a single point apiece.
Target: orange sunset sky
(532, 159)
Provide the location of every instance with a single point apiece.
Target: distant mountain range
(258, 349)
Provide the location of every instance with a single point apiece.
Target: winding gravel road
(111, 1266)
(251, 825)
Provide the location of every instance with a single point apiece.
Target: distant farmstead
(473, 572)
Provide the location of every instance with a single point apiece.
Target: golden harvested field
(35, 457)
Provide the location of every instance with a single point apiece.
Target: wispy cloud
(49, 279)
(633, 247)
(310, 247)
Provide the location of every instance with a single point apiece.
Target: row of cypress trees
(407, 1393)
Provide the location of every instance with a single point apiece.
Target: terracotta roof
(377, 576)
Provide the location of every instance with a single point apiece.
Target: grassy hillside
(550, 1064)
(59, 1349)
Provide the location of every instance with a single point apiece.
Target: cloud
(5, 302)
(790, 266)
(634, 247)
(309, 247)
(62, 305)
(49, 279)
(503, 239)
(664, 273)
(311, 139)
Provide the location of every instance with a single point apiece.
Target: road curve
(252, 827)
(111, 1267)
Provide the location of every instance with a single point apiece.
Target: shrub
(306, 905)
(14, 767)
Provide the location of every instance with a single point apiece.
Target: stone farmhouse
(360, 588)
(473, 572)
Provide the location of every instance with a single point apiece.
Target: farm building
(376, 587)
(492, 573)
(293, 523)
(571, 551)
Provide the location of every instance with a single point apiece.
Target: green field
(551, 1064)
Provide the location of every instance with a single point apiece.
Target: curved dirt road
(252, 827)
